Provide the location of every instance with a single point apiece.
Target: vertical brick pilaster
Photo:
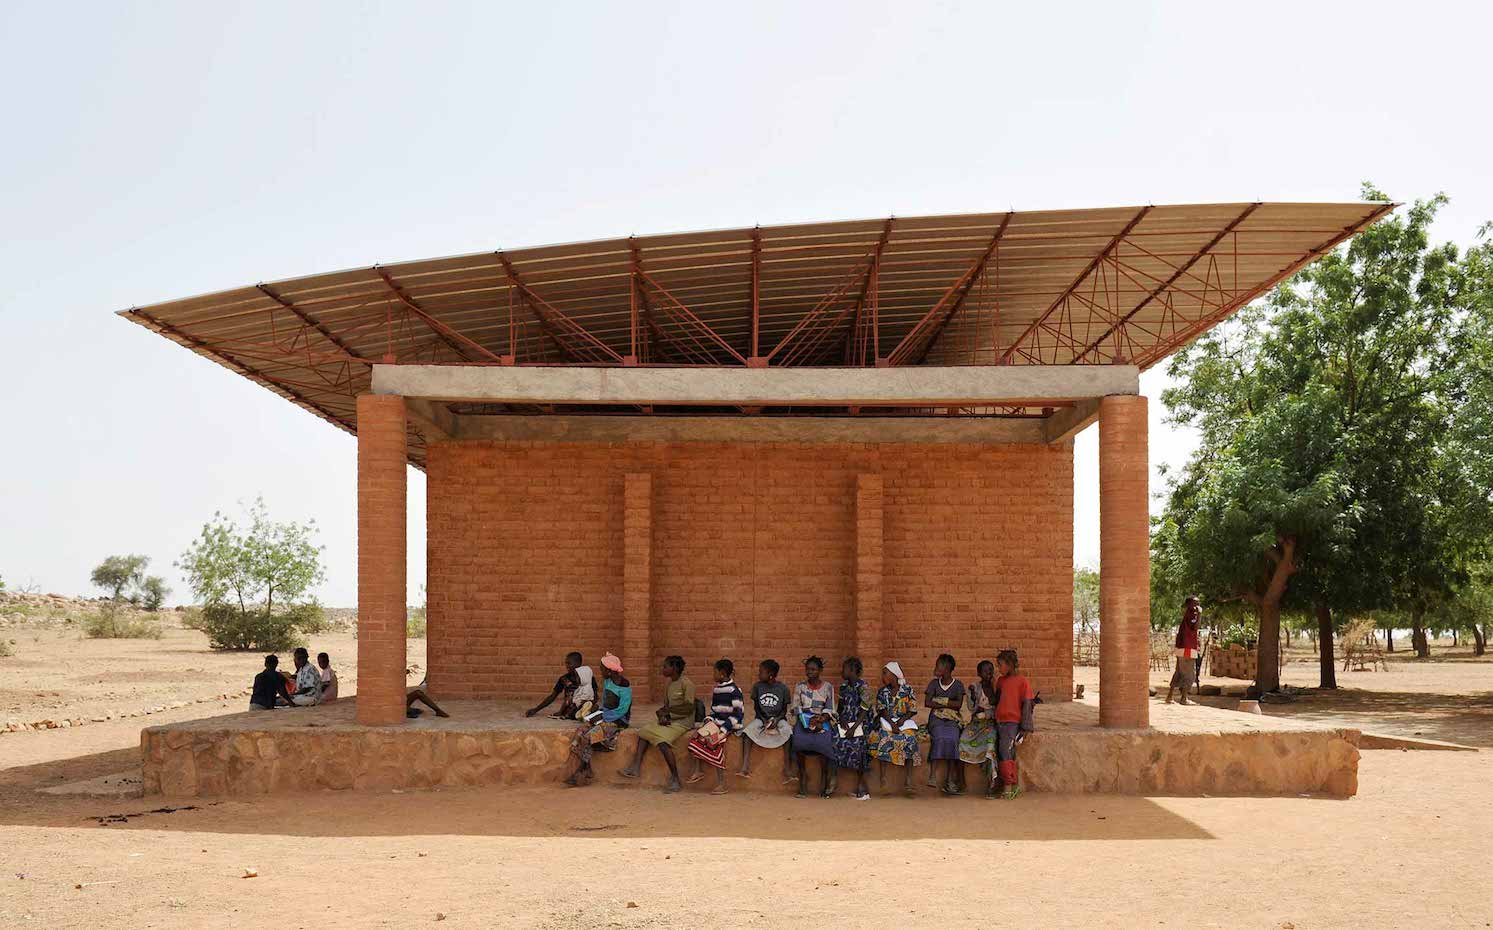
(636, 649)
(867, 635)
(1124, 563)
(382, 601)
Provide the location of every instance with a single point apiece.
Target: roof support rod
(1169, 282)
(681, 315)
(756, 293)
(447, 335)
(960, 287)
(995, 256)
(872, 289)
(1201, 325)
(309, 320)
(554, 322)
(1083, 276)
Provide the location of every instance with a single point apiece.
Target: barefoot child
(894, 733)
(1013, 718)
(710, 739)
(944, 696)
(675, 718)
(771, 727)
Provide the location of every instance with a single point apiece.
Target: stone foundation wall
(202, 762)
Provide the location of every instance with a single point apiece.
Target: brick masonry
(1125, 562)
(382, 510)
(747, 550)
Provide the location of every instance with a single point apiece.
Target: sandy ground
(1412, 847)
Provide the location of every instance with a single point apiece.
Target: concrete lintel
(560, 428)
(911, 386)
(1064, 424)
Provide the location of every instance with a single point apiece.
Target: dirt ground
(1411, 847)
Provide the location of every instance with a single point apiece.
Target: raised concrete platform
(1188, 751)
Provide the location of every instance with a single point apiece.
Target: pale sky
(155, 151)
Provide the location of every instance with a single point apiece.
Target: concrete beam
(560, 428)
(922, 385)
(1068, 422)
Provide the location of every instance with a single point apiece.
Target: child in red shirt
(1014, 700)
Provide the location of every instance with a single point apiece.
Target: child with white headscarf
(893, 739)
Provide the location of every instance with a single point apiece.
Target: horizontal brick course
(534, 549)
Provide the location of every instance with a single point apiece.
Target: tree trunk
(1455, 643)
(1324, 636)
(1389, 640)
(1418, 637)
(1479, 641)
(1267, 650)
(1287, 632)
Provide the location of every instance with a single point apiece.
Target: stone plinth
(1187, 752)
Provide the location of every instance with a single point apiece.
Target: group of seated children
(309, 686)
(846, 727)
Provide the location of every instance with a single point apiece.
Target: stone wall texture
(744, 550)
(203, 761)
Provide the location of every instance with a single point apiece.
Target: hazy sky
(156, 151)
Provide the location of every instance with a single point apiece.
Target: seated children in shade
(574, 687)
(770, 728)
(944, 696)
(814, 709)
(852, 719)
(269, 686)
(977, 742)
(600, 729)
(1014, 705)
(328, 677)
(675, 718)
(710, 739)
(893, 739)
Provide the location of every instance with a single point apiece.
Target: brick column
(381, 558)
(636, 649)
(1124, 563)
(868, 638)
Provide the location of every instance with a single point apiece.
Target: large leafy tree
(1326, 479)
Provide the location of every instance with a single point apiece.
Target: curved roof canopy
(1060, 287)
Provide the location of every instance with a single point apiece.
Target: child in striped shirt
(727, 716)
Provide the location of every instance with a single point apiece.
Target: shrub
(227, 627)
(5, 648)
(153, 592)
(113, 622)
(414, 627)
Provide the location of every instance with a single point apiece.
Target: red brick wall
(753, 555)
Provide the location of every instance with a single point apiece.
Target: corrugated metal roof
(1043, 287)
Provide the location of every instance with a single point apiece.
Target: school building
(832, 438)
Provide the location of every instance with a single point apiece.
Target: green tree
(1086, 599)
(253, 580)
(1325, 480)
(153, 592)
(117, 573)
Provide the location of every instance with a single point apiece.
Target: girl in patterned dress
(977, 742)
(814, 710)
(891, 741)
(852, 719)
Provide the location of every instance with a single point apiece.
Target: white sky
(163, 150)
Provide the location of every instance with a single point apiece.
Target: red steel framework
(1131, 301)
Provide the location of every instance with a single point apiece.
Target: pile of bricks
(1232, 661)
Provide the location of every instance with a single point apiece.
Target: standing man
(1186, 649)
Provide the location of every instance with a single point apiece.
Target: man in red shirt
(1186, 650)
(1014, 700)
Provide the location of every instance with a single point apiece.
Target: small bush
(5, 648)
(113, 622)
(414, 626)
(229, 628)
